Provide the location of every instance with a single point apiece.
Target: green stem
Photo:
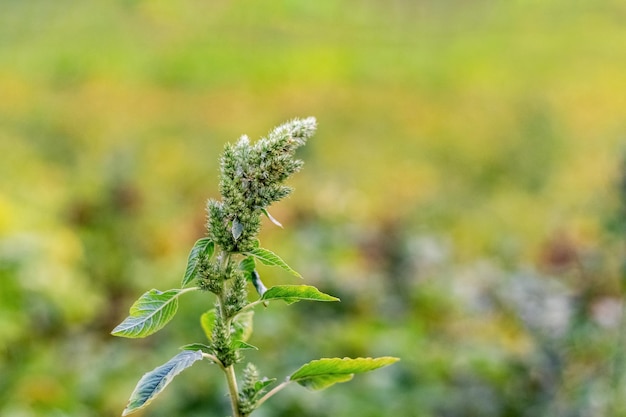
(272, 392)
(233, 391)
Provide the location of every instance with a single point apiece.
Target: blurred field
(462, 197)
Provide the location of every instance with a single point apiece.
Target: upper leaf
(270, 258)
(323, 373)
(153, 310)
(202, 248)
(152, 383)
(293, 293)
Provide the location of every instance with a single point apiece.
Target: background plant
(223, 263)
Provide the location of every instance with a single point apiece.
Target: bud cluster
(210, 277)
(249, 392)
(221, 340)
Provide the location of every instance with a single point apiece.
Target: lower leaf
(152, 383)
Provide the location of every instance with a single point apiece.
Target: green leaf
(270, 258)
(242, 326)
(153, 382)
(238, 344)
(153, 310)
(207, 321)
(323, 373)
(198, 346)
(247, 264)
(293, 293)
(203, 248)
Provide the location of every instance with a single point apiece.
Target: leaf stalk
(273, 391)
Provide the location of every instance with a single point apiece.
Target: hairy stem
(229, 371)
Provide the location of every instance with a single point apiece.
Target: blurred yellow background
(462, 196)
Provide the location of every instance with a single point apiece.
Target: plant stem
(233, 391)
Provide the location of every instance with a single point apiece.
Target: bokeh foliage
(461, 197)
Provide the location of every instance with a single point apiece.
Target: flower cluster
(252, 178)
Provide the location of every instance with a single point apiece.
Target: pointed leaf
(272, 219)
(203, 248)
(270, 258)
(293, 293)
(207, 321)
(198, 346)
(323, 373)
(238, 344)
(153, 310)
(153, 382)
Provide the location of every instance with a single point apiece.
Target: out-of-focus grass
(459, 144)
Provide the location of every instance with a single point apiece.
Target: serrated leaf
(203, 248)
(323, 373)
(207, 321)
(237, 229)
(293, 293)
(153, 310)
(198, 346)
(153, 382)
(271, 218)
(269, 258)
(242, 326)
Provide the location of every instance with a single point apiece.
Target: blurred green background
(462, 197)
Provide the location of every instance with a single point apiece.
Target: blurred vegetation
(462, 197)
